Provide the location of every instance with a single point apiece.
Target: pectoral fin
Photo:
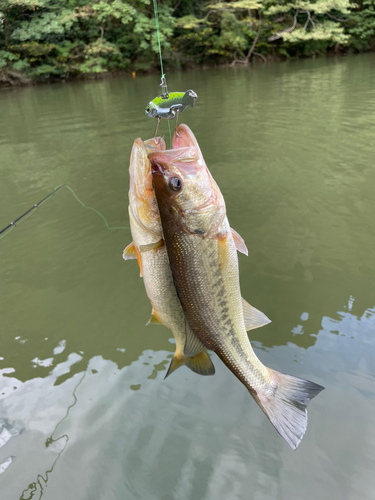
(132, 252)
(129, 252)
(253, 317)
(151, 246)
(193, 345)
(239, 242)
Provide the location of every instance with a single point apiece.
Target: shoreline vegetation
(44, 41)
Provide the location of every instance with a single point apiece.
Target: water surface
(84, 410)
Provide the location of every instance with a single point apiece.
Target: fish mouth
(156, 169)
(185, 155)
(184, 138)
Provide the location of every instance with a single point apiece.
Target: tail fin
(200, 363)
(286, 406)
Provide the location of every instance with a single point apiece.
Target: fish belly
(158, 281)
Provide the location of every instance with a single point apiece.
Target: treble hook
(156, 131)
(175, 127)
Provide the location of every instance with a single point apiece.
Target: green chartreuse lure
(168, 105)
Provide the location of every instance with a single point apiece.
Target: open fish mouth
(184, 156)
(184, 137)
(157, 169)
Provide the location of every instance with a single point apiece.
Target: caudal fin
(200, 363)
(285, 405)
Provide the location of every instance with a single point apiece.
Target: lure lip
(152, 110)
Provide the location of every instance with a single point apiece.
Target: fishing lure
(169, 104)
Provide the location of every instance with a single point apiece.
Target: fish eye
(175, 184)
(148, 109)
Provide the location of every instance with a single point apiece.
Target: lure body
(168, 105)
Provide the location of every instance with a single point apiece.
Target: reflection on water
(57, 445)
(134, 435)
(291, 150)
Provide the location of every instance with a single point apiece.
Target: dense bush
(54, 39)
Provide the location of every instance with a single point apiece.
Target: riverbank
(22, 80)
(43, 41)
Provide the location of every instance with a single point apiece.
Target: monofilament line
(161, 59)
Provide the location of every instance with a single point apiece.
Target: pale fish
(203, 260)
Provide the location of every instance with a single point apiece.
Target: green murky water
(84, 411)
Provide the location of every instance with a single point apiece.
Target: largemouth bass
(203, 260)
(147, 247)
(154, 267)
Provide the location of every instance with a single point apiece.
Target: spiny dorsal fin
(151, 246)
(253, 317)
(129, 252)
(192, 343)
(239, 242)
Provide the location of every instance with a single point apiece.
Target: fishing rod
(12, 224)
(28, 212)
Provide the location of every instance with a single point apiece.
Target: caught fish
(203, 260)
(148, 248)
(154, 267)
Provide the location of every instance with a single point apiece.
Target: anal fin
(193, 345)
(154, 320)
(253, 317)
(200, 363)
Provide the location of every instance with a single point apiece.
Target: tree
(308, 21)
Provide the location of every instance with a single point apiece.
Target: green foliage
(361, 25)
(310, 26)
(51, 39)
(237, 5)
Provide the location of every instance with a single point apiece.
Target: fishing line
(29, 212)
(161, 60)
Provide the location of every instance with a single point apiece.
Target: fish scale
(218, 321)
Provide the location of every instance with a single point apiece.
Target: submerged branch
(260, 55)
